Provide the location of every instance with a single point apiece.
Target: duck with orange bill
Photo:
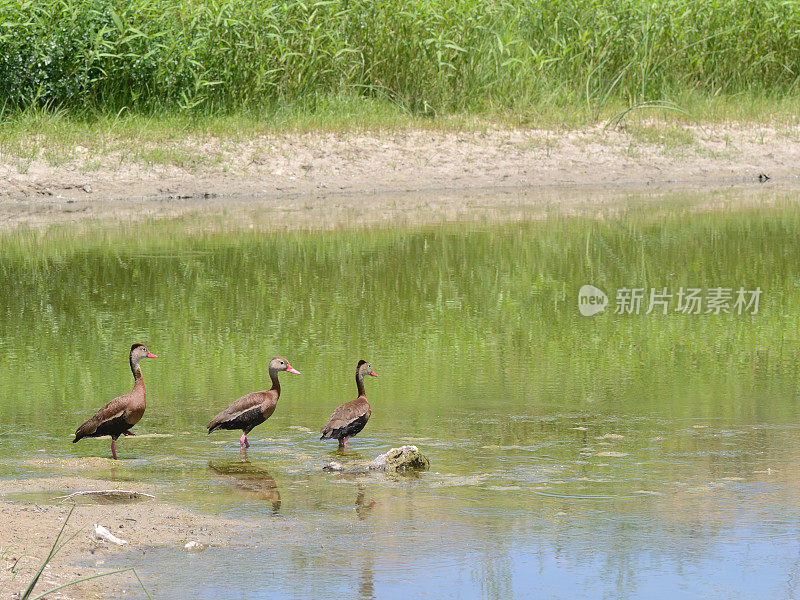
(253, 409)
(118, 416)
(350, 418)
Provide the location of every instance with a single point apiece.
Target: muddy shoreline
(28, 529)
(331, 179)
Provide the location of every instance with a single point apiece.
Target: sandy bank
(27, 531)
(374, 177)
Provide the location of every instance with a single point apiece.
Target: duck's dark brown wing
(347, 420)
(246, 412)
(112, 420)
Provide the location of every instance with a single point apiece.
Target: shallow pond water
(617, 455)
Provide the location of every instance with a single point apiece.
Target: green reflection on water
(466, 319)
(474, 330)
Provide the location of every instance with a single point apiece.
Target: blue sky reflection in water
(619, 456)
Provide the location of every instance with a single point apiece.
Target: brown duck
(350, 418)
(118, 416)
(255, 408)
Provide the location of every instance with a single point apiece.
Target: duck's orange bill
(373, 373)
(291, 369)
(151, 355)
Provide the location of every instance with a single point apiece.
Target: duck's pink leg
(243, 441)
(128, 432)
(114, 448)
(344, 442)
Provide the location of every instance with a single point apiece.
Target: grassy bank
(423, 57)
(96, 141)
(113, 76)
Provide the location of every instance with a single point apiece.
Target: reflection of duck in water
(366, 587)
(250, 481)
(363, 508)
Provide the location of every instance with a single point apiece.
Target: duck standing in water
(118, 416)
(350, 418)
(254, 408)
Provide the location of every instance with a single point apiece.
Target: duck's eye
(283, 363)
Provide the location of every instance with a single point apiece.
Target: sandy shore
(346, 177)
(27, 531)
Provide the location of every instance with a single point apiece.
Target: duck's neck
(360, 384)
(276, 385)
(137, 371)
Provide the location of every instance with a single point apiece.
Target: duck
(350, 418)
(118, 416)
(253, 409)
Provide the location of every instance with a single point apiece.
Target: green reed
(424, 56)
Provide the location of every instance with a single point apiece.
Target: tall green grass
(425, 56)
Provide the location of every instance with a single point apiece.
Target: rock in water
(405, 458)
